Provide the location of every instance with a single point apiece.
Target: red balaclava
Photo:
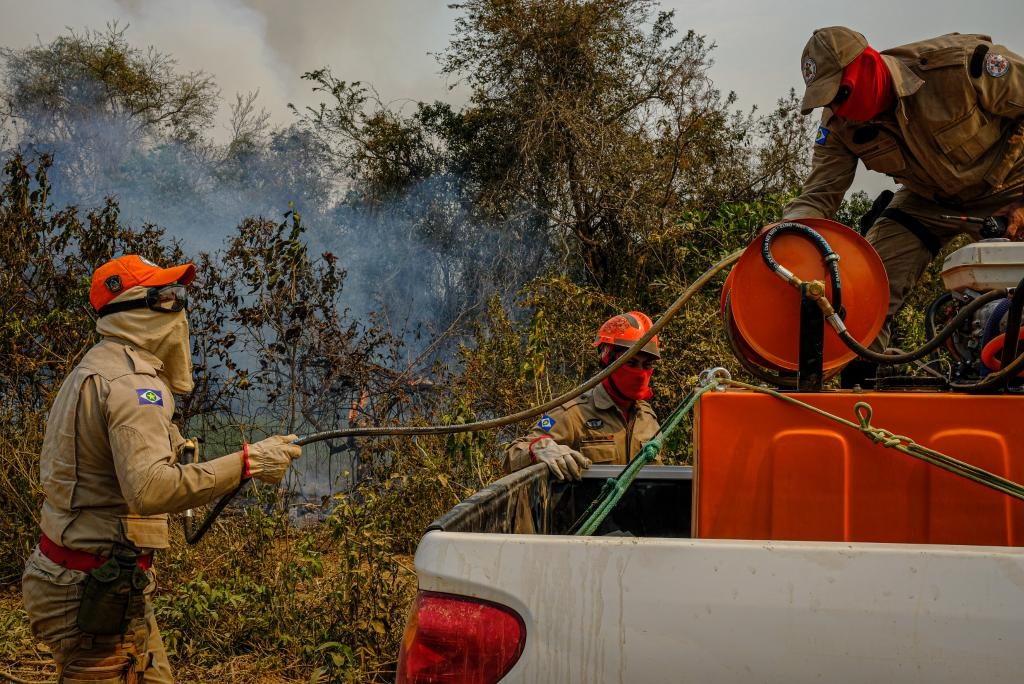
(870, 84)
(628, 383)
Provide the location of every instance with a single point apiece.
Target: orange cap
(131, 270)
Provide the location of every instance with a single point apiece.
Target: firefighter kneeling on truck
(110, 473)
(608, 424)
(943, 117)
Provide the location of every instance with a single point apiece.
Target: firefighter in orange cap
(944, 117)
(110, 476)
(608, 424)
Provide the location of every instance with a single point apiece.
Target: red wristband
(245, 461)
(533, 457)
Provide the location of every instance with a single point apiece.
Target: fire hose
(833, 315)
(491, 423)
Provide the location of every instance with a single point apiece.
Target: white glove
(269, 459)
(563, 461)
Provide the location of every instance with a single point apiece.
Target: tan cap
(826, 54)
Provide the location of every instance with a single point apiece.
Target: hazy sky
(266, 44)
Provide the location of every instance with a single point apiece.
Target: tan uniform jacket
(108, 462)
(956, 133)
(594, 426)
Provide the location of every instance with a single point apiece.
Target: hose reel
(766, 313)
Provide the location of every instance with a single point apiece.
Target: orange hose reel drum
(766, 309)
(728, 320)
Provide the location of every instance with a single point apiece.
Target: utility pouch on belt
(113, 595)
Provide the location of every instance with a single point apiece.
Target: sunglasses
(167, 299)
(842, 95)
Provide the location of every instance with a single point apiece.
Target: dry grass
(23, 659)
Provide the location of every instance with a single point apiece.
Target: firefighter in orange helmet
(608, 424)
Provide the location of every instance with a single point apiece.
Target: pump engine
(967, 273)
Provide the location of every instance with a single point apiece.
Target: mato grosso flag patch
(150, 397)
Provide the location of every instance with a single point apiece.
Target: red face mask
(870, 88)
(632, 383)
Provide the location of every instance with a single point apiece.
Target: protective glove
(562, 460)
(1014, 215)
(269, 459)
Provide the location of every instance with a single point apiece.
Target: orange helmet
(625, 329)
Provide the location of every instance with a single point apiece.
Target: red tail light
(459, 640)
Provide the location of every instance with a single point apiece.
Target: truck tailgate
(621, 609)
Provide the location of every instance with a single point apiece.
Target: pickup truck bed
(874, 567)
(529, 502)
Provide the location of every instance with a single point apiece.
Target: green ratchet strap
(615, 487)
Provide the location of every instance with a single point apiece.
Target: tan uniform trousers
(52, 593)
(904, 255)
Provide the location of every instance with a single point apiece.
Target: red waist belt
(80, 560)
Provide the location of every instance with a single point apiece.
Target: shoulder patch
(996, 65)
(546, 423)
(822, 135)
(150, 397)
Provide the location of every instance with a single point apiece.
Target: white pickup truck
(668, 590)
(797, 549)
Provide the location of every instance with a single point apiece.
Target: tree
(56, 92)
(99, 106)
(380, 150)
(407, 219)
(593, 117)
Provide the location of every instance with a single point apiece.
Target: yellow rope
(900, 443)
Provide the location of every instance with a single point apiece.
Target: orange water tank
(766, 469)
